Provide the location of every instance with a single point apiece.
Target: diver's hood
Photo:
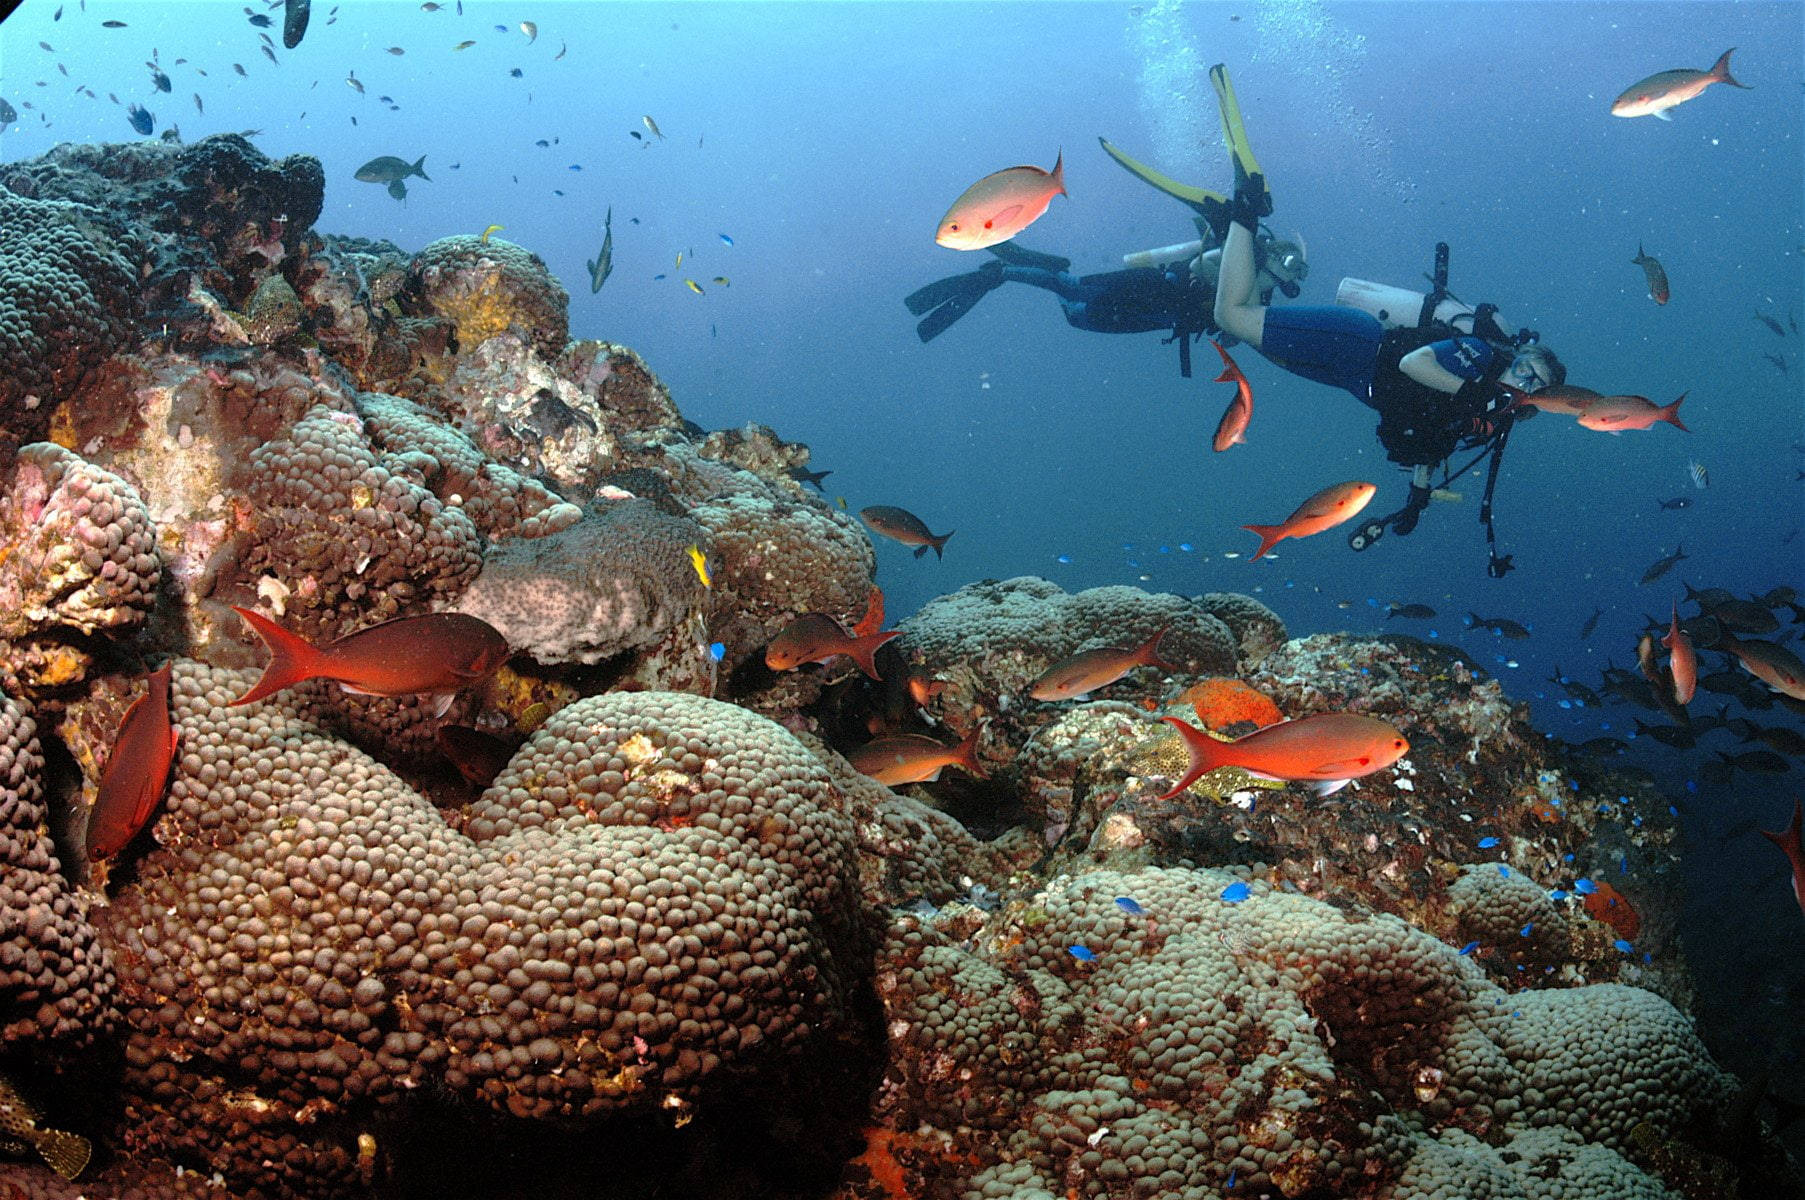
(1287, 260)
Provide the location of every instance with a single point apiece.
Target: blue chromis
(1236, 892)
(1468, 949)
(717, 650)
(1584, 887)
(1082, 953)
(1486, 843)
(1624, 946)
(1129, 905)
(725, 240)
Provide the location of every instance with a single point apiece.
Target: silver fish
(603, 266)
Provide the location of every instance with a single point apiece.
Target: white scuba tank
(1398, 308)
(1160, 256)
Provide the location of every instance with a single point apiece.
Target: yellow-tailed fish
(653, 126)
(693, 286)
(679, 265)
(841, 501)
(489, 230)
(699, 561)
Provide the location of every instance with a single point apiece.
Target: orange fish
(1325, 510)
(478, 756)
(1794, 849)
(923, 687)
(137, 771)
(1652, 97)
(999, 206)
(899, 524)
(817, 637)
(1568, 399)
(915, 758)
(1327, 749)
(1088, 670)
(439, 653)
(1682, 661)
(1614, 414)
(1232, 429)
(1770, 662)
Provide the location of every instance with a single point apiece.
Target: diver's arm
(1421, 366)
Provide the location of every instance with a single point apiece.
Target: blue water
(826, 141)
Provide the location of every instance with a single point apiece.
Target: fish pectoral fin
(1003, 217)
(67, 1153)
(1328, 787)
(441, 703)
(1661, 115)
(354, 690)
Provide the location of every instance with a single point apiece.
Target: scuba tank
(1159, 256)
(1401, 308)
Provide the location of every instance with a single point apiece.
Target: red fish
(1614, 414)
(1770, 662)
(1327, 749)
(1562, 398)
(817, 637)
(440, 653)
(478, 756)
(1088, 670)
(1232, 429)
(1790, 843)
(136, 773)
(999, 206)
(923, 687)
(1325, 510)
(1652, 97)
(899, 524)
(914, 758)
(1682, 661)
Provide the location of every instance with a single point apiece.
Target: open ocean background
(827, 139)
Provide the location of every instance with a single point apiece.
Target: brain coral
(77, 547)
(615, 581)
(657, 895)
(67, 299)
(56, 982)
(1292, 1046)
(486, 288)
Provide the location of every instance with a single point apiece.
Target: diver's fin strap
(1201, 199)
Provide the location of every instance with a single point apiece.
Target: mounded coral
(56, 982)
(486, 288)
(68, 296)
(656, 895)
(618, 580)
(1290, 1046)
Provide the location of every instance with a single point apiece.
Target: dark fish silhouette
(603, 264)
(899, 524)
(1661, 566)
(142, 119)
(1771, 324)
(1677, 502)
(812, 478)
(1499, 625)
(1416, 612)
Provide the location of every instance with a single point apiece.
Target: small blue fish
(1063, 558)
(1236, 892)
(655, 278)
(1186, 547)
(1129, 905)
(1469, 948)
(516, 72)
(576, 166)
(1082, 953)
(1486, 843)
(1557, 894)
(717, 650)
(726, 240)
(1584, 887)
(1624, 946)
(1527, 930)
(1503, 871)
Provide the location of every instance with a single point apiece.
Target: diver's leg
(1238, 309)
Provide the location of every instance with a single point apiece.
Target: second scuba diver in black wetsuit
(1435, 386)
(1176, 296)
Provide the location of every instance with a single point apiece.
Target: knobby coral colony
(669, 937)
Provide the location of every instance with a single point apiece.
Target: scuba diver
(1171, 288)
(1431, 366)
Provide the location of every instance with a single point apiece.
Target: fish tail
(1270, 536)
(1671, 414)
(292, 657)
(965, 757)
(1720, 71)
(1205, 754)
(1148, 655)
(1640, 255)
(1059, 162)
(419, 168)
(938, 543)
(67, 1153)
(863, 651)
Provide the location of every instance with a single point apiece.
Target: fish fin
(1059, 161)
(67, 1153)
(1269, 535)
(939, 544)
(1205, 755)
(1720, 70)
(1661, 115)
(1671, 414)
(1148, 654)
(920, 551)
(965, 757)
(863, 651)
(1003, 217)
(441, 703)
(292, 657)
(873, 620)
(419, 168)
(1328, 787)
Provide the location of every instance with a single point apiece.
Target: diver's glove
(1404, 520)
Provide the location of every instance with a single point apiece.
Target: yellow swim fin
(1248, 176)
(1200, 199)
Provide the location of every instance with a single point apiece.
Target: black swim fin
(957, 296)
(1021, 256)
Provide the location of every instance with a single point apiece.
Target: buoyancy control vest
(1419, 425)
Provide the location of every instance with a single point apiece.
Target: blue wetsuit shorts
(1330, 344)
